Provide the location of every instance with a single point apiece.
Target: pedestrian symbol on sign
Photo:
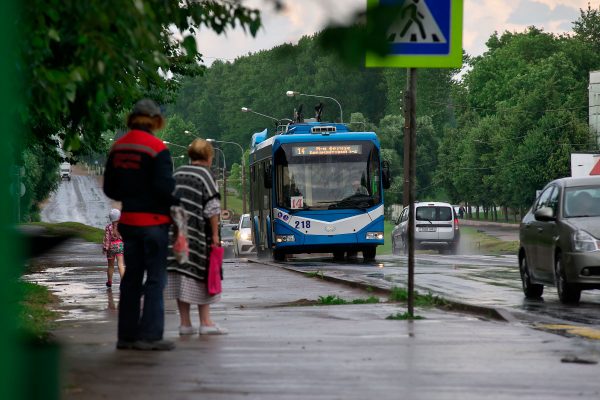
(416, 25)
(424, 34)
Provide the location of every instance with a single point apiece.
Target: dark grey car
(559, 239)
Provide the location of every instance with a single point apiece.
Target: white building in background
(594, 104)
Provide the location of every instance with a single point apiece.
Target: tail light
(455, 224)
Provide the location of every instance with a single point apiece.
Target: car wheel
(531, 290)
(568, 293)
(338, 255)
(369, 253)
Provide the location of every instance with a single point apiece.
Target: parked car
(436, 226)
(242, 238)
(227, 231)
(560, 239)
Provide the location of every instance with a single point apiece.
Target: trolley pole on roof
(410, 166)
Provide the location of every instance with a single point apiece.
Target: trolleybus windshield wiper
(354, 201)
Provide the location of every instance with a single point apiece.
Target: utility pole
(410, 166)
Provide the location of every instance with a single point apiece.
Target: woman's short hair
(200, 150)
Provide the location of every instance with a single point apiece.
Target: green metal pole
(11, 350)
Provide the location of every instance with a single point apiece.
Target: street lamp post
(246, 110)
(224, 178)
(292, 93)
(243, 170)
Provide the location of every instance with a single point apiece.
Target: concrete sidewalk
(281, 347)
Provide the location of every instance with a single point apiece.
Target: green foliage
(370, 99)
(331, 300)
(315, 274)
(404, 316)
(368, 300)
(336, 300)
(523, 111)
(85, 63)
(426, 300)
(35, 317)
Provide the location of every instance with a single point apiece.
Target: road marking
(573, 330)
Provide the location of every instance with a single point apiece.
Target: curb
(497, 314)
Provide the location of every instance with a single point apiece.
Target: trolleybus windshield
(320, 176)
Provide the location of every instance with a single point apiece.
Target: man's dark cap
(146, 107)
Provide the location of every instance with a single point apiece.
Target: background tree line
(490, 136)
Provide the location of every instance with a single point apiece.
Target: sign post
(426, 34)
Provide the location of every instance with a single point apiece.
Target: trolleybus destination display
(326, 150)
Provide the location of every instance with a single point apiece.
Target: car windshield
(582, 202)
(327, 175)
(227, 232)
(434, 213)
(245, 222)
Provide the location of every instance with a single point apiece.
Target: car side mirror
(385, 175)
(544, 214)
(236, 228)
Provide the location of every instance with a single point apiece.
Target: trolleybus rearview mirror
(268, 177)
(385, 172)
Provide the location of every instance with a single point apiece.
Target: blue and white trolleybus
(317, 188)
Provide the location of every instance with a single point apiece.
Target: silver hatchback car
(560, 239)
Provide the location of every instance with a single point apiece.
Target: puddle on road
(82, 298)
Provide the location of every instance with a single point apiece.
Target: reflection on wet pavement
(492, 281)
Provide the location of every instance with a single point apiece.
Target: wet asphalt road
(79, 200)
(490, 281)
(282, 347)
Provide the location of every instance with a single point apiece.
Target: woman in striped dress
(197, 189)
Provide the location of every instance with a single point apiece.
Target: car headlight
(245, 236)
(374, 235)
(285, 238)
(583, 241)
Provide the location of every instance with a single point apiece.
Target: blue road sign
(427, 33)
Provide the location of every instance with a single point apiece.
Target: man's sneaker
(160, 345)
(124, 345)
(213, 330)
(108, 284)
(187, 330)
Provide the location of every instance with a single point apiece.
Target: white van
(436, 226)
(65, 171)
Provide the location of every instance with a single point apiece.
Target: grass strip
(400, 294)
(35, 317)
(85, 232)
(487, 244)
(404, 316)
(336, 300)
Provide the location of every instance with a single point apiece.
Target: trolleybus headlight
(374, 235)
(285, 238)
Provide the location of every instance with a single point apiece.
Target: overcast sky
(305, 17)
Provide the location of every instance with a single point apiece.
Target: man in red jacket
(139, 173)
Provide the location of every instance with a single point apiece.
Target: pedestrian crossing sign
(426, 34)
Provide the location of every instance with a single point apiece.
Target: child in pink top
(113, 246)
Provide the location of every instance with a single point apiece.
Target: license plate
(427, 229)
